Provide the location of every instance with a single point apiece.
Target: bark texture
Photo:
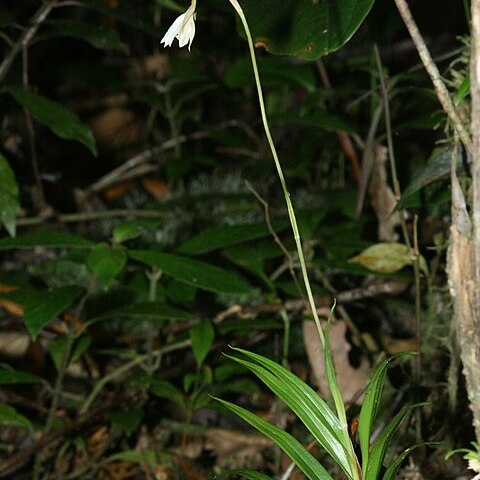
(464, 253)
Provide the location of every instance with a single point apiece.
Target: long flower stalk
(339, 405)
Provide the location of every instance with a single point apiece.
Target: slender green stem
(57, 389)
(296, 233)
(125, 368)
(291, 212)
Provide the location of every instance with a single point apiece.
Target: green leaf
(304, 460)
(132, 229)
(202, 335)
(273, 71)
(61, 120)
(11, 377)
(392, 470)
(304, 28)
(320, 120)
(42, 308)
(250, 474)
(336, 394)
(438, 168)
(144, 457)
(463, 90)
(369, 408)
(99, 36)
(388, 257)
(379, 448)
(128, 420)
(56, 348)
(46, 238)
(314, 413)
(9, 198)
(153, 310)
(9, 416)
(163, 389)
(106, 262)
(193, 272)
(227, 235)
(251, 259)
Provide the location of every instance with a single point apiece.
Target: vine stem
(340, 407)
(432, 70)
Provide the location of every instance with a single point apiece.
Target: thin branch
(38, 18)
(432, 70)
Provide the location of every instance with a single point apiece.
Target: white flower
(183, 28)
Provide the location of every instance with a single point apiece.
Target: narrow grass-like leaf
(337, 398)
(392, 470)
(305, 461)
(251, 474)
(379, 448)
(313, 412)
(369, 409)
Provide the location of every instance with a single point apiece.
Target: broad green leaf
(42, 308)
(163, 389)
(99, 36)
(304, 28)
(122, 15)
(304, 460)
(193, 272)
(304, 402)
(202, 335)
(9, 202)
(46, 238)
(379, 448)
(128, 420)
(11, 377)
(61, 120)
(320, 120)
(388, 257)
(171, 5)
(369, 408)
(251, 259)
(153, 310)
(227, 235)
(250, 474)
(106, 262)
(132, 229)
(274, 71)
(56, 348)
(438, 168)
(9, 416)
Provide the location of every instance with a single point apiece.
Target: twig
(288, 256)
(125, 368)
(432, 70)
(38, 196)
(343, 137)
(10, 464)
(38, 18)
(89, 216)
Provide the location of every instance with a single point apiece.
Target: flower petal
(172, 32)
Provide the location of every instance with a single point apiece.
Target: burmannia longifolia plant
(328, 428)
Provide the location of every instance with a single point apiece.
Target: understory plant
(329, 427)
